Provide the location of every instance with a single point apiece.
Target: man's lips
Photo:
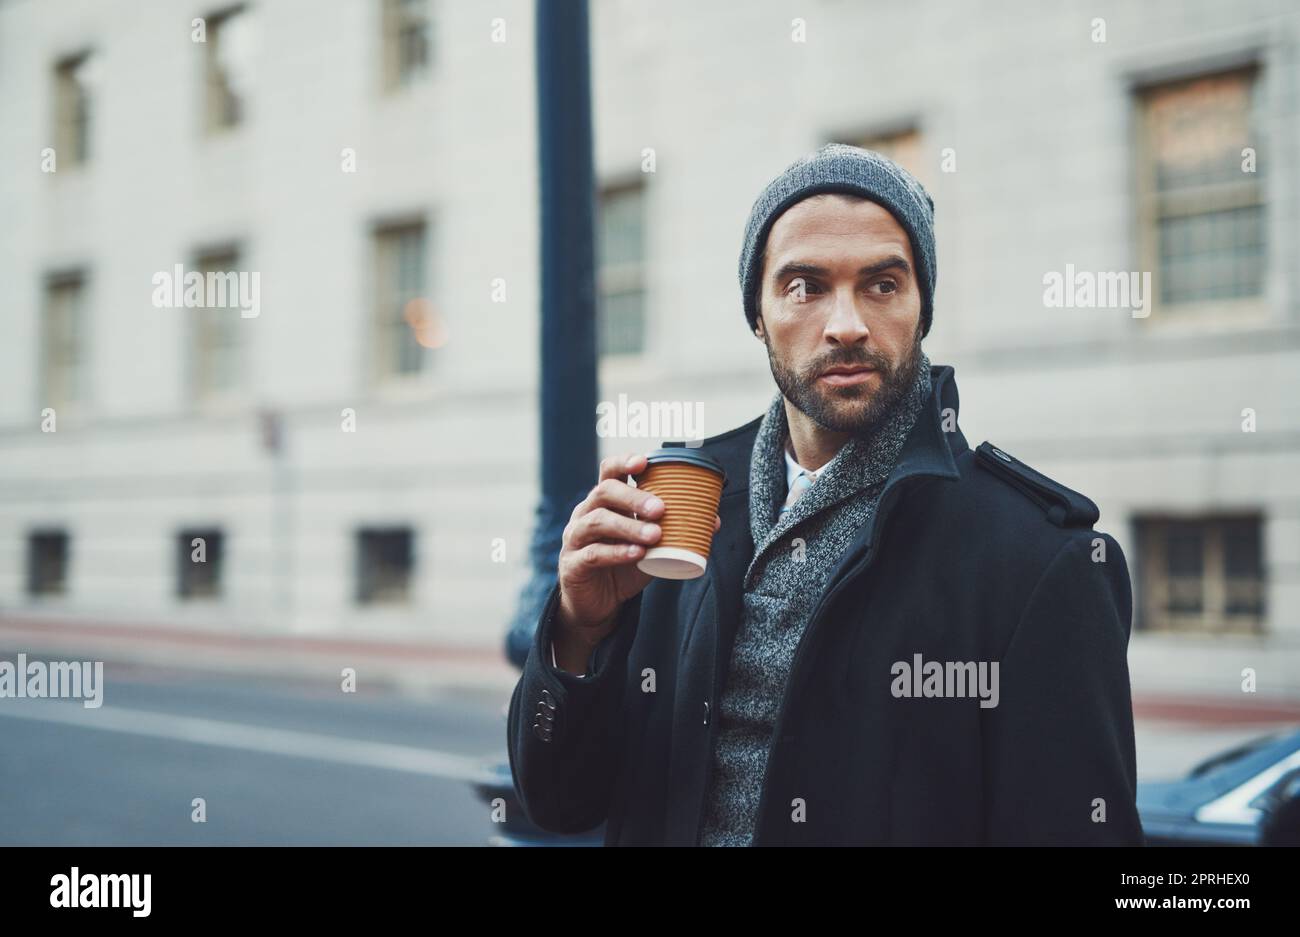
(843, 376)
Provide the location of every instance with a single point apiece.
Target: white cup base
(672, 563)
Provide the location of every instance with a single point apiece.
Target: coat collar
(936, 440)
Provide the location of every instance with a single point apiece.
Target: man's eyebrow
(794, 268)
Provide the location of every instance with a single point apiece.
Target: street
(276, 763)
(296, 761)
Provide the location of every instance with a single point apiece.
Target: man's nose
(847, 324)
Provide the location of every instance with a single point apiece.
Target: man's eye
(799, 288)
(887, 286)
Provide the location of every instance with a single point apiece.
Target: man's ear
(758, 326)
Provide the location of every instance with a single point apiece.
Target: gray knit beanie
(837, 167)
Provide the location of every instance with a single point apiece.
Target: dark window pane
(47, 562)
(1184, 549)
(1242, 549)
(199, 564)
(385, 560)
(1243, 567)
(1184, 566)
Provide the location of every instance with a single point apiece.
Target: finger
(623, 498)
(602, 524)
(620, 467)
(601, 555)
(717, 523)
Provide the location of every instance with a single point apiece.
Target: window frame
(218, 93)
(623, 278)
(215, 546)
(394, 29)
(1147, 213)
(366, 592)
(73, 133)
(1213, 618)
(74, 323)
(203, 321)
(65, 563)
(386, 324)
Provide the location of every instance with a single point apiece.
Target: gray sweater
(793, 555)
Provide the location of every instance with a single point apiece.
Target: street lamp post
(568, 292)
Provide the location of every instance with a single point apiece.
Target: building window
(217, 333)
(620, 273)
(74, 80)
(61, 341)
(407, 26)
(228, 68)
(385, 561)
(1201, 575)
(401, 307)
(199, 556)
(902, 146)
(47, 562)
(1201, 214)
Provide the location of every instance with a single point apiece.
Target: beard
(856, 408)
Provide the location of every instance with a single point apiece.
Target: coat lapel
(733, 547)
(707, 644)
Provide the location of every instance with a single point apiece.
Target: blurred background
(359, 458)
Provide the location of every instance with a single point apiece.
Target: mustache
(860, 358)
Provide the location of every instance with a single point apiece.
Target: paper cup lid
(689, 456)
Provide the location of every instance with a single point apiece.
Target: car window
(1223, 759)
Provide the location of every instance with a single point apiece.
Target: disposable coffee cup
(690, 485)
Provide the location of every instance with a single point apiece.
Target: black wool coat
(971, 556)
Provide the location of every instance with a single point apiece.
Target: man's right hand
(602, 544)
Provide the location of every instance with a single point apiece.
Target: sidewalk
(413, 667)
(424, 668)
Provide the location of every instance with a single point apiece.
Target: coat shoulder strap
(1063, 506)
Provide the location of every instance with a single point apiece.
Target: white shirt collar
(792, 469)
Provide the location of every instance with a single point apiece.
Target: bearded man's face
(840, 310)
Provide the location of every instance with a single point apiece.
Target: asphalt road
(295, 762)
(276, 763)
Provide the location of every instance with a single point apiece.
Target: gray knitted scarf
(862, 465)
(793, 556)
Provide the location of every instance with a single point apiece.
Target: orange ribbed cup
(690, 494)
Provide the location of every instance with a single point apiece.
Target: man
(899, 640)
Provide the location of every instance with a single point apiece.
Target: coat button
(542, 732)
(546, 698)
(706, 712)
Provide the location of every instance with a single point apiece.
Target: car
(1248, 795)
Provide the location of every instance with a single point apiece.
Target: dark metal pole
(568, 313)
